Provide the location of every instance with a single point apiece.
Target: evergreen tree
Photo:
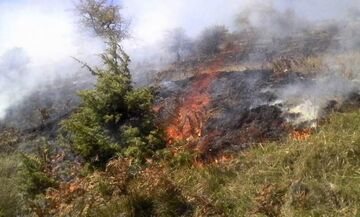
(115, 118)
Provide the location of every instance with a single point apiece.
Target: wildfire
(191, 112)
(301, 135)
(223, 159)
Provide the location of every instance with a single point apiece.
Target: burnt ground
(213, 112)
(234, 111)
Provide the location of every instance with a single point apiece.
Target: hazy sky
(47, 29)
(47, 32)
(151, 18)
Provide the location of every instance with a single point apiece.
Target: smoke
(37, 41)
(38, 38)
(14, 63)
(151, 19)
(309, 99)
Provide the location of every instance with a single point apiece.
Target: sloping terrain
(222, 111)
(314, 176)
(251, 131)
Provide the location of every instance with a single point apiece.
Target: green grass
(10, 201)
(316, 177)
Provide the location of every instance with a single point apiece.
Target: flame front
(301, 135)
(192, 110)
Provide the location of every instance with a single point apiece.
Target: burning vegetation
(247, 122)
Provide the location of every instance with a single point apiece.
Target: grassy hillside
(226, 147)
(318, 176)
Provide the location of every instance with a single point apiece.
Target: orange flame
(191, 112)
(220, 159)
(223, 159)
(301, 135)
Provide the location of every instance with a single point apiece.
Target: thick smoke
(39, 37)
(311, 98)
(13, 66)
(37, 42)
(269, 19)
(153, 18)
(338, 77)
(271, 22)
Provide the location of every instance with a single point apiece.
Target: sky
(151, 18)
(46, 33)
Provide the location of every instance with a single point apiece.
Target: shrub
(115, 118)
(211, 40)
(35, 179)
(36, 173)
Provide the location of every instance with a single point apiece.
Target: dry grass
(319, 176)
(10, 200)
(316, 177)
(347, 64)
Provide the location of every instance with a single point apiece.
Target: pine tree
(115, 118)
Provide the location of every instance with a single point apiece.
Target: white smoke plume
(37, 41)
(38, 38)
(309, 99)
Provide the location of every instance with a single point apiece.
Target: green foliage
(36, 172)
(10, 194)
(89, 138)
(103, 18)
(10, 200)
(315, 177)
(115, 118)
(36, 181)
(9, 139)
